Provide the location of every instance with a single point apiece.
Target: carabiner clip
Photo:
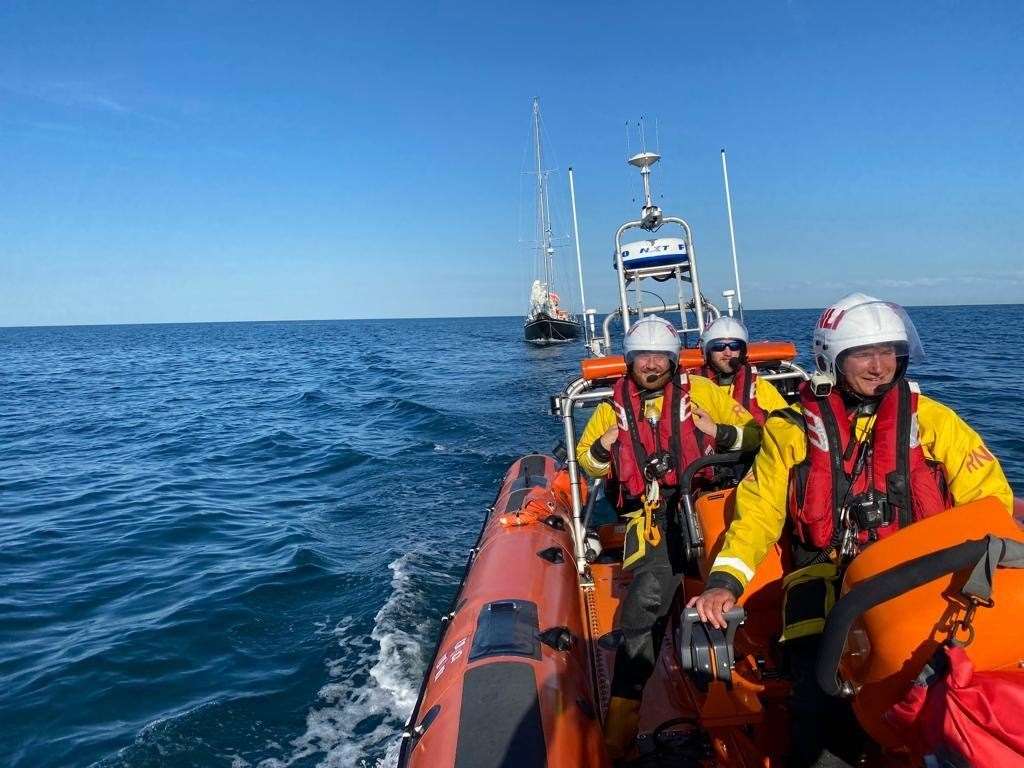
(966, 624)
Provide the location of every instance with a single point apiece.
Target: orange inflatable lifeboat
(522, 669)
(521, 675)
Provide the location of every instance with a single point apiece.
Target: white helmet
(859, 320)
(724, 327)
(652, 334)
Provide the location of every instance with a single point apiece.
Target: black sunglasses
(720, 346)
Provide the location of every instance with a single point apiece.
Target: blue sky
(179, 161)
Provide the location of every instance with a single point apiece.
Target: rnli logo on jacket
(816, 431)
(684, 407)
(684, 398)
(977, 458)
(915, 431)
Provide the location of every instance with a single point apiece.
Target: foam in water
(381, 701)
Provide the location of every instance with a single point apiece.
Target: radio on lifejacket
(870, 512)
(658, 464)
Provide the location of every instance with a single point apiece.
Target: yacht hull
(544, 329)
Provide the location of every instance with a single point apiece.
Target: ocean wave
(276, 445)
(313, 397)
(371, 695)
(319, 465)
(389, 374)
(402, 417)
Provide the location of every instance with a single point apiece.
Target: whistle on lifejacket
(652, 501)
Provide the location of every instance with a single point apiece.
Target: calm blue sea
(229, 544)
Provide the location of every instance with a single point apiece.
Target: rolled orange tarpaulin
(757, 352)
(603, 367)
(770, 351)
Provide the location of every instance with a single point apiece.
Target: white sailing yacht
(546, 322)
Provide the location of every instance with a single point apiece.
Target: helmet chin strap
(855, 399)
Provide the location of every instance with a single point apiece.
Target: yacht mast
(543, 222)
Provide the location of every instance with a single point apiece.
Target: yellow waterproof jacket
(768, 396)
(971, 471)
(704, 393)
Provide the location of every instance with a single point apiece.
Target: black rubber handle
(686, 481)
(734, 614)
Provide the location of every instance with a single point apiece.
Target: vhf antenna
(650, 214)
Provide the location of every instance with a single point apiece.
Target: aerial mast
(543, 225)
(732, 239)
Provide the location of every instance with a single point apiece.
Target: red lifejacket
(744, 389)
(637, 439)
(836, 473)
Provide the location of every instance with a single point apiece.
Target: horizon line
(421, 317)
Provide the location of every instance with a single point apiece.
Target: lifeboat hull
(509, 684)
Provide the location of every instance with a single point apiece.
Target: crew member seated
(629, 441)
(861, 455)
(724, 344)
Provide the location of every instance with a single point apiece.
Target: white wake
(360, 714)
